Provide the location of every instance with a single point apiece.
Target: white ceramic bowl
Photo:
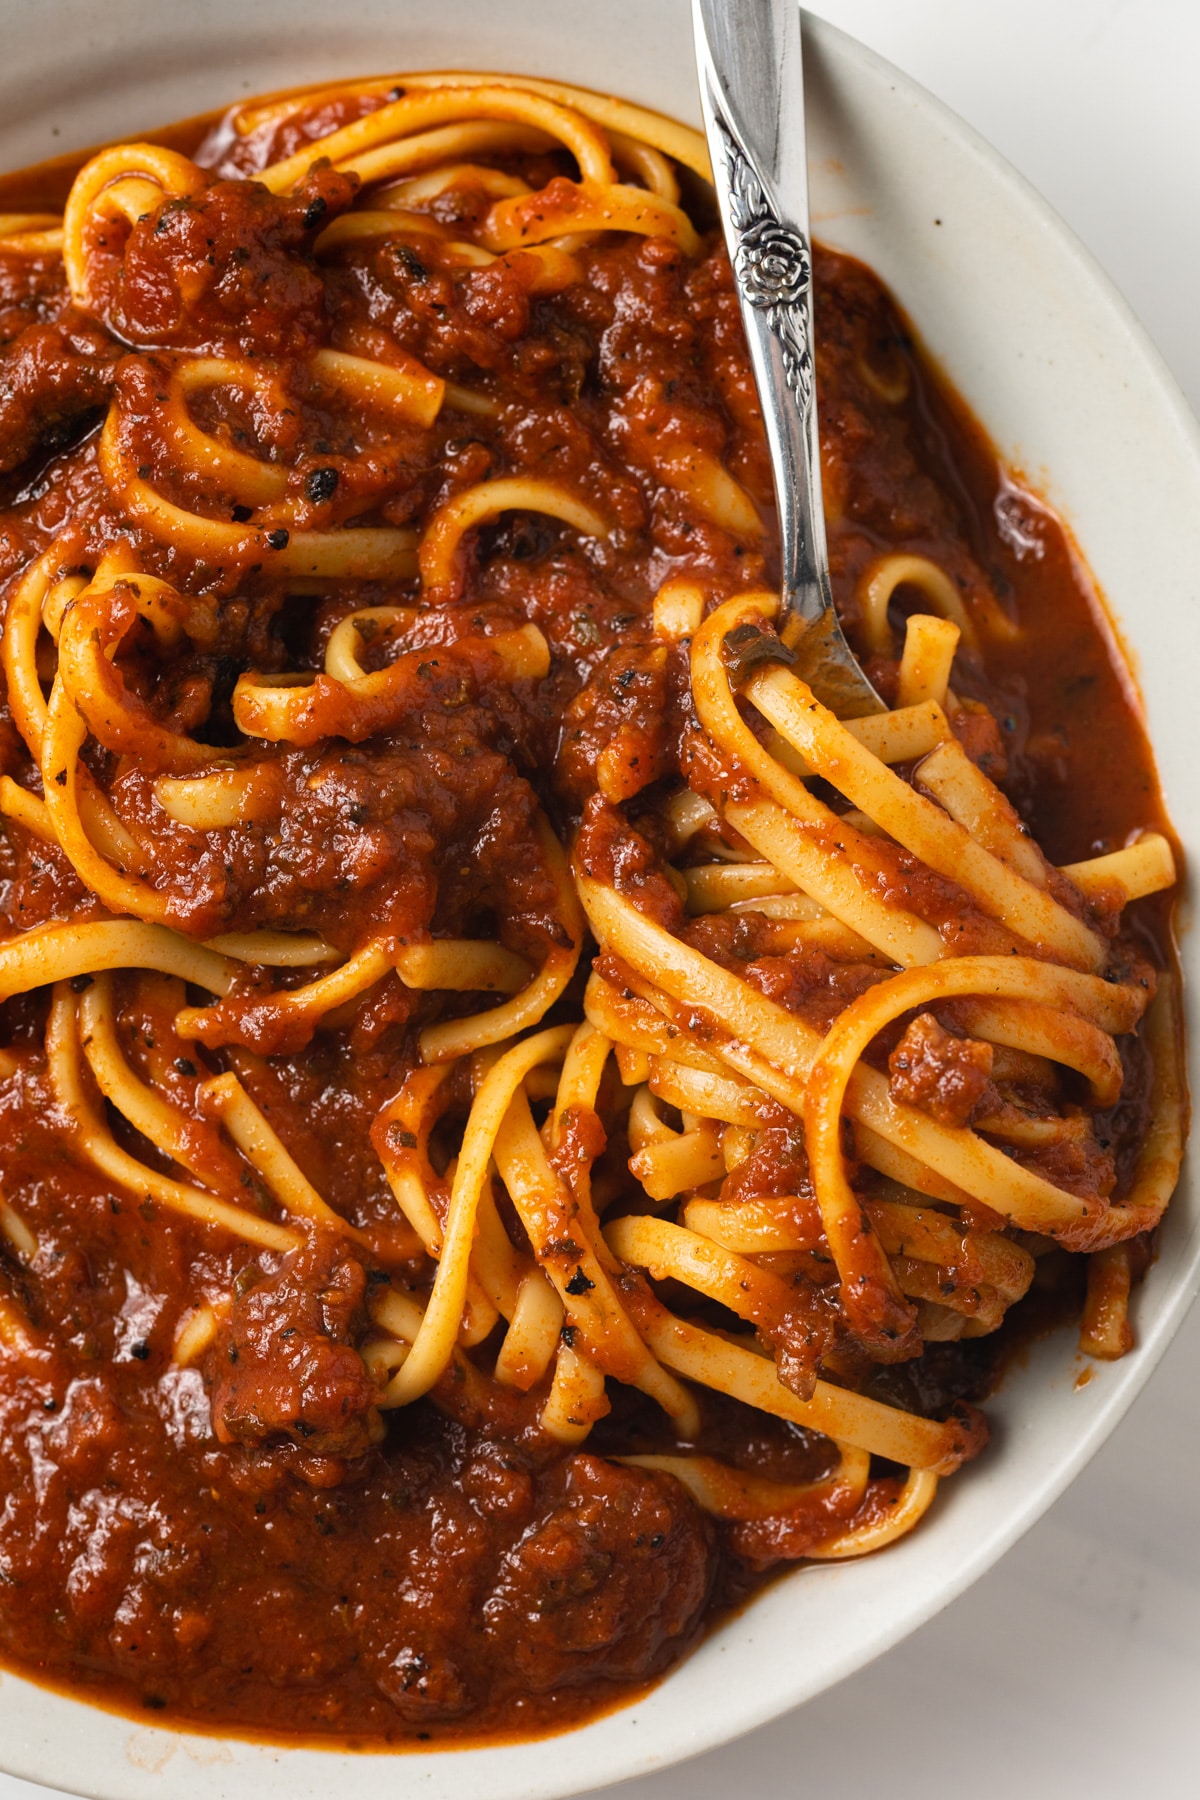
(1056, 367)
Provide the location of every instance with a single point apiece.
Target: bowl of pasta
(557, 1198)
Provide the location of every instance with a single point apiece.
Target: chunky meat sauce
(246, 1543)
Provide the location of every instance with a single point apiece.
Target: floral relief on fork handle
(772, 266)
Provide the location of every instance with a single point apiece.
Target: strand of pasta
(400, 1136)
(18, 646)
(459, 1037)
(17, 1335)
(830, 750)
(577, 1099)
(301, 710)
(252, 480)
(836, 1412)
(534, 1336)
(848, 1037)
(92, 630)
(18, 804)
(729, 1493)
(792, 1222)
(924, 673)
(462, 965)
(237, 794)
(367, 148)
(758, 1295)
(577, 1397)
(487, 500)
(62, 951)
(564, 1251)
(189, 1141)
(404, 387)
(31, 233)
(722, 1097)
(64, 738)
(527, 219)
(679, 142)
(1160, 1156)
(1104, 1329)
(96, 1143)
(36, 596)
(774, 1049)
(368, 226)
(879, 582)
(699, 476)
(818, 851)
(435, 1340)
(619, 118)
(365, 553)
(299, 1010)
(911, 1505)
(965, 792)
(923, 828)
(1146, 866)
(432, 183)
(125, 181)
(262, 1147)
(432, 147)
(674, 1161)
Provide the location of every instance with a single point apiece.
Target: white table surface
(1073, 1669)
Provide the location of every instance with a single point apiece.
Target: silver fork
(749, 61)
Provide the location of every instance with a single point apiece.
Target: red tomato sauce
(228, 1545)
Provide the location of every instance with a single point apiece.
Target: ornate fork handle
(772, 265)
(751, 88)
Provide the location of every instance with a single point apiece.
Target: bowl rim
(615, 1746)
